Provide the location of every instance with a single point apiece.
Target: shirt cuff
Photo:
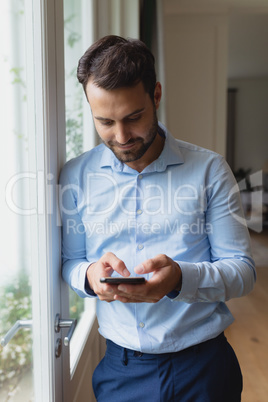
(190, 282)
(173, 294)
(87, 288)
(79, 281)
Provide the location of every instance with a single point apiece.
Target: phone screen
(118, 280)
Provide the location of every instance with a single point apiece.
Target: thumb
(146, 267)
(140, 269)
(152, 264)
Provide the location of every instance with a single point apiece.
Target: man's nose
(122, 134)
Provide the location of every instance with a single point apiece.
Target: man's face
(125, 119)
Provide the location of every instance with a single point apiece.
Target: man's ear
(157, 94)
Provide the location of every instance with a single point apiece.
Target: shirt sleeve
(231, 271)
(74, 261)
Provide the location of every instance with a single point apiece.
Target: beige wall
(251, 132)
(196, 75)
(203, 47)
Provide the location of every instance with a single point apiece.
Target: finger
(106, 292)
(133, 289)
(110, 260)
(136, 294)
(136, 299)
(126, 298)
(151, 264)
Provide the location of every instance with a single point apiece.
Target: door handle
(65, 323)
(14, 329)
(59, 323)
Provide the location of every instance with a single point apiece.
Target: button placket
(140, 245)
(139, 212)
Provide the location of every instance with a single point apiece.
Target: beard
(142, 144)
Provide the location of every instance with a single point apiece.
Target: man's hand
(103, 268)
(166, 277)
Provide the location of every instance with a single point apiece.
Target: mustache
(129, 142)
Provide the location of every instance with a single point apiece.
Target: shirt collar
(170, 155)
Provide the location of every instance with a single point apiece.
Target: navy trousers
(208, 372)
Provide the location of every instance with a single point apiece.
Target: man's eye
(106, 123)
(134, 118)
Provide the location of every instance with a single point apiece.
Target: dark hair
(115, 62)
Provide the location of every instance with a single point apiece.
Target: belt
(125, 354)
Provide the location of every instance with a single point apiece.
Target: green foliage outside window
(74, 100)
(15, 304)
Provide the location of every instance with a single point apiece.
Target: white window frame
(48, 89)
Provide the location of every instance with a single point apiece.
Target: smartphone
(117, 280)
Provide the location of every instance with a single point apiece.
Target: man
(145, 204)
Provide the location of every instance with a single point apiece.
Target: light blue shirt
(186, 205)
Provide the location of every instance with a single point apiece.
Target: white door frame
(48, 58)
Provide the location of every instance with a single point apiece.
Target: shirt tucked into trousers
(208, 372)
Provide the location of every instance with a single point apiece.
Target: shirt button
(141, 325)
(140, 246)
(140, 176)
(139, 211)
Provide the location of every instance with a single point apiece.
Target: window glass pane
(15, 203)
(73, 93)
(73, 104)
(79, 130)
